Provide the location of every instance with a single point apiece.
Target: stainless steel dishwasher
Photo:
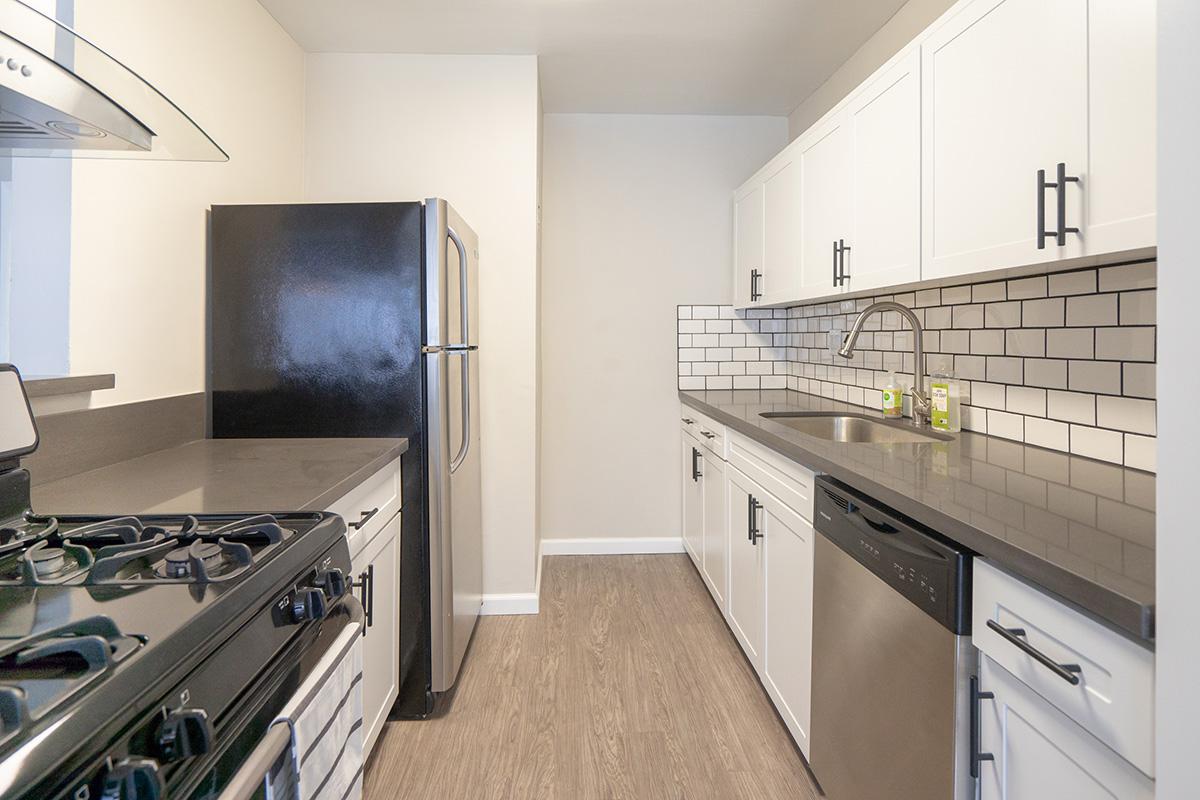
(892, 655)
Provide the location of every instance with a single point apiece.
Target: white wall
(637, 217)
(1178, 546)
(406, 127)
(912, 18)
(138, 232)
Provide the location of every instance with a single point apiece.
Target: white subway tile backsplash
(1045, 313)
(1044, 359)
(1128, 276)
(1002, 315)
(1070, 343)
(1049, 373)
(1025, 342)
(1026, 400)
(1097, 443)
(1140, 452)
(1092, 309)
(1125, 344)
(1072, 407)
(1094, 376)
(1025, 288)
(1126, 414)
(1047, 433)
(1138, 380)
(1064, 283)
(1005, 425)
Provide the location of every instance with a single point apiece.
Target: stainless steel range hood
(62, 96)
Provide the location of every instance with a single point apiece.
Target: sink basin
(853, 428)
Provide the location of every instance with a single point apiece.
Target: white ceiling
(633, 56)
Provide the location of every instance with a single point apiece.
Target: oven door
(255, 759)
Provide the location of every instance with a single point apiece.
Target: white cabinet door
(781, 230)
(825, 203)
(885, 154)
(1121, 207)
(1004, 94)
(748, 279)
(716, 528)
(744, 604)
(787, 672)
(1039, 752)
(379, 563)
(692, 465)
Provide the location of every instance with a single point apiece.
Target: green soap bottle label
(940, 400)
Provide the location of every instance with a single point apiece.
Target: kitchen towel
(326, 718)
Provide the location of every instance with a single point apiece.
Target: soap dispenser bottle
(945, 401)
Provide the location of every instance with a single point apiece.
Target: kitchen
(628, 411)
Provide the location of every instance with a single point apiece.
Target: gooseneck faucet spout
(920, 401)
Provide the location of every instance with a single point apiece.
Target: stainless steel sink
(853, 428)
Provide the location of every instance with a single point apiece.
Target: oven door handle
(257, 767)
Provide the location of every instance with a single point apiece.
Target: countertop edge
(1131, 618)
(339, 490)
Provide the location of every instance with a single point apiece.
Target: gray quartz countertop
(223, 476)
(1081, 529)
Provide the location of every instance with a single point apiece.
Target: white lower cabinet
(377, 579)
(787, 666)
(714, 562)
(744, 610)
(692, 455)
(1038, 752)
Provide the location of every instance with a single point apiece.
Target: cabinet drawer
(372, 503)
(711, 434)
(1114, 698)
(779, 475)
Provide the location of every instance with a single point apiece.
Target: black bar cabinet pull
(1061, 191)
(977, 757)
(1068, 672)
(1059, 185)
(755, 294)
(365, 582)
(370, 595)
(752, 532)
(835, 262)
(843, 248)
(363, 518)
(695, 465)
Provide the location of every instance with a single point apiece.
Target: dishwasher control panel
(930, 571)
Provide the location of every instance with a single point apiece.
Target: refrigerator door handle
(463, 348)
(465, 405)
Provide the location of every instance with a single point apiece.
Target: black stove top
(101, 617)
(48, 551)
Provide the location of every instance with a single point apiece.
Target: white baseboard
(502, 604)
(634, 545)
(519, 603)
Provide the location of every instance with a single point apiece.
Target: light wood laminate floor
(628, 684)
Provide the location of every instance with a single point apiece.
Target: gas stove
(141, 656)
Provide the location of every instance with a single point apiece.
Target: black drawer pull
(363, 519)
(1068, 672)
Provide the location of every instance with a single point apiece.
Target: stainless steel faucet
(920, 401)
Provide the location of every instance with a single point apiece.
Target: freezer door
(452, 379)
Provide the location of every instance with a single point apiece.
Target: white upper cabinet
(781, 229)
(748, 245)
(884, 248)
(1121, 209)
(1005, 95)
(825, 204)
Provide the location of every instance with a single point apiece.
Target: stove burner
(177, 563)
(48, 561)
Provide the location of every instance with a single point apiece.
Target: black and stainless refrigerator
(361, 320)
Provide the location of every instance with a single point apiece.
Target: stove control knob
(184, 732)
(308, 604)
(333, 581)
(133, 779)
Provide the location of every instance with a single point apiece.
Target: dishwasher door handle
(1068, 672)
